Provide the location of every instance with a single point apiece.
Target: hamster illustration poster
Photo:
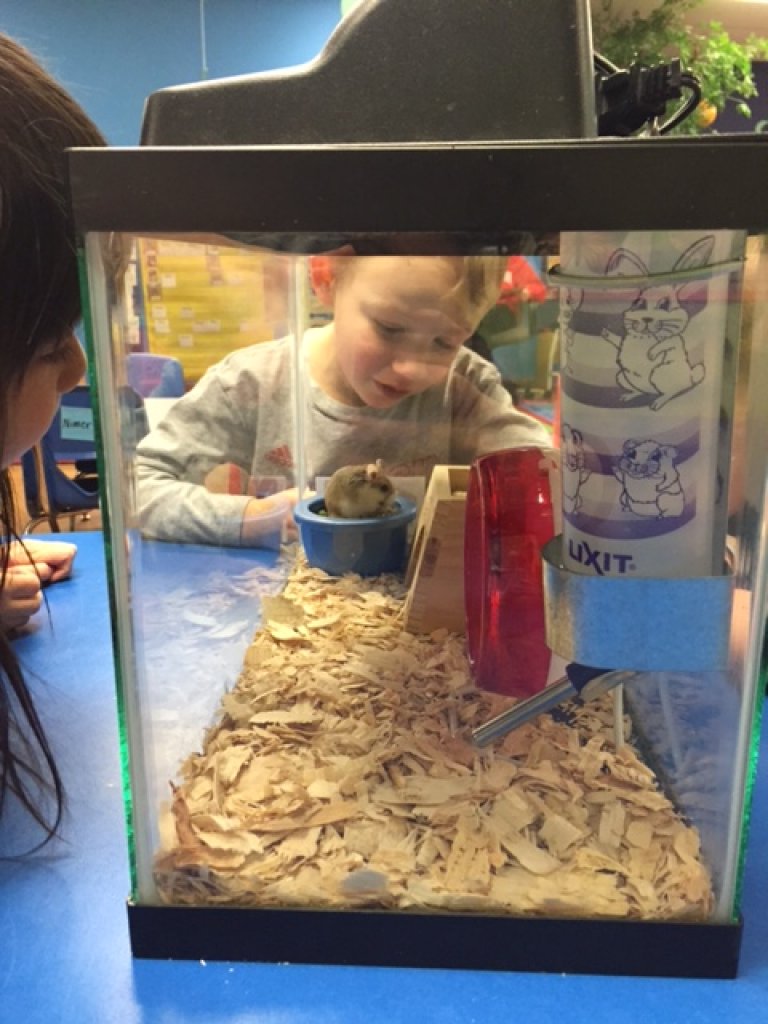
(643, 327)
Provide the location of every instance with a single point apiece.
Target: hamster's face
(378, 484)
(572, 448)
(656, 312)
(373, 490)
(570, 301)
(642, 459)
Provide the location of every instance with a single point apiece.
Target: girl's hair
(39, 304)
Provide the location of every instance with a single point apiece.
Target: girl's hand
(52, 559)
(20, 597)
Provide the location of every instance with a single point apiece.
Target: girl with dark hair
(40, 359)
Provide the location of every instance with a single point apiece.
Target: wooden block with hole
(435, 575)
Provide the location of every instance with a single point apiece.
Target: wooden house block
(435, 575)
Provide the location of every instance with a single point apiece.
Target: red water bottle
(509, 519)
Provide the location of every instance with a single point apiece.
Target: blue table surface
(63, 927)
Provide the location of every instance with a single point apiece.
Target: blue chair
(71, 435)
(49, 492)
(155, 376)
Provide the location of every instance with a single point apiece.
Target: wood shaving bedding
(341, 774)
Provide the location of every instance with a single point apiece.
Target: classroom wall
(730, 120)
(111, 54)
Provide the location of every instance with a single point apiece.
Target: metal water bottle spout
(579, 681)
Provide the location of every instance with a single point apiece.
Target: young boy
(389, 378)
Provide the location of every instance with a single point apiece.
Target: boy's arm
(201, 431)
(485, 418)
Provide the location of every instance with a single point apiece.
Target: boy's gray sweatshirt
(242, 412)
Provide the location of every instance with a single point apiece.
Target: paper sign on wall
(76, 423)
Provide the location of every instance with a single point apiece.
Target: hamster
(359, 492)
(650, 480)
(574, 464)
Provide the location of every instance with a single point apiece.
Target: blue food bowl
(367, 547)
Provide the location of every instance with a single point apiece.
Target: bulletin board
(202, 301)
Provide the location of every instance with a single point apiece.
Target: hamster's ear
(624, 263)
(696, 255)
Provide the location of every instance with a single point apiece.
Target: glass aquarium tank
(419, 664)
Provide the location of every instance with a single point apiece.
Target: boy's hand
(258, 529)
(52, 559)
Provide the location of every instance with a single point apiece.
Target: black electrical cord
(691, 83)
(631, 99)
(603, 66)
